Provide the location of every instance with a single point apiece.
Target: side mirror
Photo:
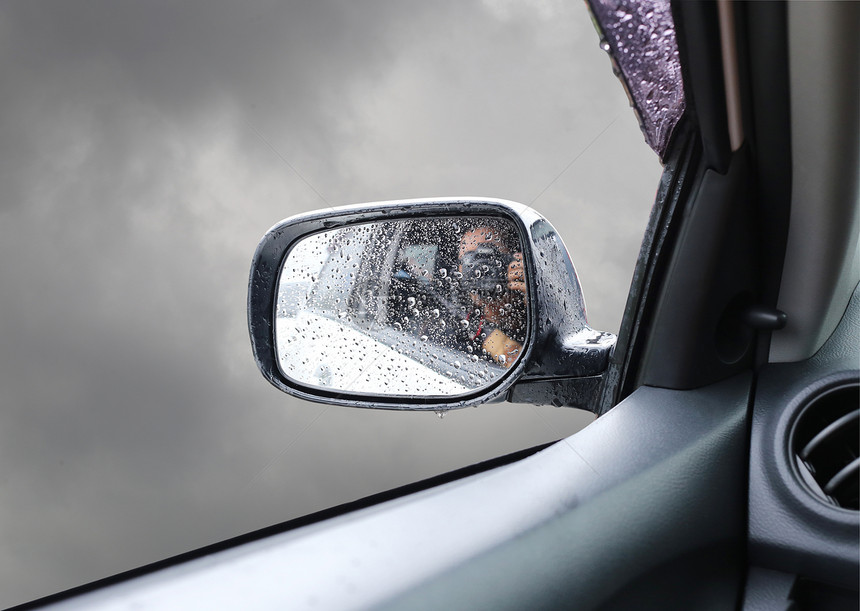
(423, 304)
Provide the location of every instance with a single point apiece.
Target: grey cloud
(136, 183)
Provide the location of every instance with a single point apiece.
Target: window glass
(148, 145)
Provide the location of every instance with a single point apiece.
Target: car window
(146, 148)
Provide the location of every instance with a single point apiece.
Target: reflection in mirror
(419, 307)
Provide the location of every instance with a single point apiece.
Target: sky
(145, 147)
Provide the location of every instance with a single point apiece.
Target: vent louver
(825, 444)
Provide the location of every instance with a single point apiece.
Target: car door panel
(591, 518)
(659, 523)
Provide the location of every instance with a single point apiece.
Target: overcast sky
(145, 147)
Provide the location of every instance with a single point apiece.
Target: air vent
(825, 444)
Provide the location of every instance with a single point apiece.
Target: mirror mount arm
(580, 354)
(569, 373)
(580, 393)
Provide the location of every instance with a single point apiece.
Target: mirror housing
(562, 358)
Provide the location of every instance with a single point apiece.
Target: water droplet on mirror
(439, 413)
(443, 273)
(464, 324)
(410, 301)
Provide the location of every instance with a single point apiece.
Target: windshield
(147, 145)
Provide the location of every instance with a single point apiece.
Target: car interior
(722, 470)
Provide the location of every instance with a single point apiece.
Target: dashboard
(804, 524)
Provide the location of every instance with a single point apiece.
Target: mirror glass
(418, 307)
